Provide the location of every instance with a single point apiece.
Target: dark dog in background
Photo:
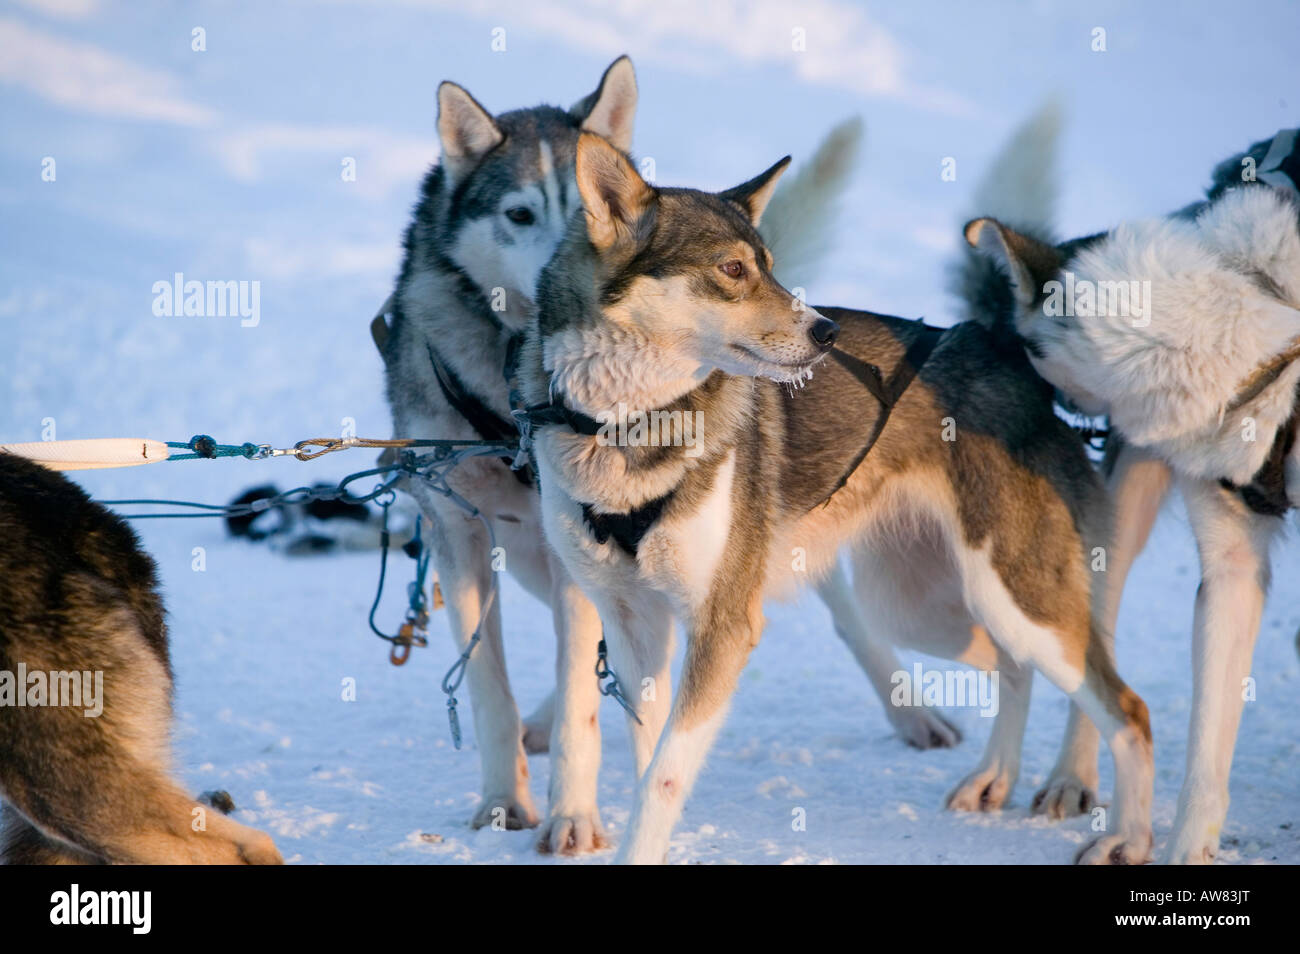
(85, 693)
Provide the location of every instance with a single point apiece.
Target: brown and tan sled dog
(84, 776)
(970, 519)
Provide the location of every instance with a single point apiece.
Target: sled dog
(1184, 330)
(969, 508)
(85, 692)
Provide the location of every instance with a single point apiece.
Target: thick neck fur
(597, 367)
(617, 478)
(433, 313)
(596, 357)
(439, 306)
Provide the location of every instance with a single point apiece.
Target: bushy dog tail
(1019, 189)
(798, 220)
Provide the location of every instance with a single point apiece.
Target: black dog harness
(888, 393)
(487, 423)
(626, 529)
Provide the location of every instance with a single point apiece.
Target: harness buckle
(524, 425)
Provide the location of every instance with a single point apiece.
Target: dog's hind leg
(461, 555)
(1070, 652)
(23, 844)
(139, 817)
(573, 819)
(1137, 485)
(989, 786)
(538, 725)
(1233, 544)
(933, 619)
(919, 726)
(93, 785)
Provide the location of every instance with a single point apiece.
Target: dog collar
(557, 412)
(626, 529)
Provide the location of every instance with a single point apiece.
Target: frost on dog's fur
(1224, 299)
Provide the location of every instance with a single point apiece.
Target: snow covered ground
(263, 643)
(225, 165)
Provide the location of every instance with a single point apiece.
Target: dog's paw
(1116, 850)
(537, 738)
(504, 813)
(1190, 851)
(984, 790)
(576, 834)
(924, 728)
(1064, 795)
(259, 849)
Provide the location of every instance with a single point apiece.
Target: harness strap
(1263, 376)
(1266, 492)
(379, 326)
(489, 425)
(629, 528)
(557, 412)
(887, 393)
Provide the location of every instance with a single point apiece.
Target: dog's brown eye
(519, 215)
(733, 269)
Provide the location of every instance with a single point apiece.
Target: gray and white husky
(490, 216)
(1184, 330)
(970, 519)
(86, 693)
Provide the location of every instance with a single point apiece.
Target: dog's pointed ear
(614, 197)
(1029, 262)
(465, 128)
(753, 196)
(611, 109)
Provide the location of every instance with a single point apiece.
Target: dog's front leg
(1137, 484)
(715, 655)
(639, 639)
(460, 552)
(573, 823)
(1233, 544)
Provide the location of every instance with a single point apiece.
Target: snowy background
(225, 165)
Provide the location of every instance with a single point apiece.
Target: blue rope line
(205, 447)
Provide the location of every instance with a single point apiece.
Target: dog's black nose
(823, 333)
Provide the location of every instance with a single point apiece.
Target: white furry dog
(1185, 331)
